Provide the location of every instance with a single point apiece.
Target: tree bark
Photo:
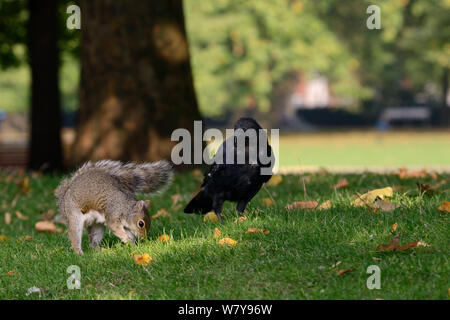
(445, 109)
(45, 141)
(136, 82)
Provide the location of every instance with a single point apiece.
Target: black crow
(240, 175)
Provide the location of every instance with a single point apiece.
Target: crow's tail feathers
(200, 203)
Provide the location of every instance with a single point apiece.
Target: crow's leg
(240, 208)
(217, 207)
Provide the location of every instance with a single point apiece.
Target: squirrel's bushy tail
(148, 177)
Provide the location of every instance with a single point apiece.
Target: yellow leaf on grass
(7, 218)
(308, 205)
(3, 238)
(445, 206)
(46, 226)
(24, 185)
(368, 198)
(211, 217)
(163, 238)
(394, 227)
(267, 202)
(161, 213)
(256, 230)
(325, 206)
(240, 219)
(217, 233)
(227, 241)
(142, 259)
(275, 180)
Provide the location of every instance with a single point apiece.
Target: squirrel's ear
(147, 204)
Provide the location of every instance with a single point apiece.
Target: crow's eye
(141, 223)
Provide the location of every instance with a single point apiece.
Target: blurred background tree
(248, 58)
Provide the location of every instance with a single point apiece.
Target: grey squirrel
(102, 194)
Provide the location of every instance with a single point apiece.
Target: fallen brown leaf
(161, 213)
(240, 219)
(445, 206)
(175, 199)
(341, 184)
(256, 230)
(394, 245)
(344, 271)
(46, 226)
(7, 218)
(24, 185)
(394, 227)
(21, 216)
(307, 205)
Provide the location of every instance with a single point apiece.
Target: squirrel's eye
(141, 224)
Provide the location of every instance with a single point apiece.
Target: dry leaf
(175, 199)
(21, 216)
(7, 218)
(308, 205)
(142, 259)
(24, 238)
(24, 185)
(426, 189)
(161, 213)
(46, 226)
(256, 230)
(394, 246)
(267, 202)
(325, 206)
(217, 233)
(240, 219)
(404, 173)
(177, 207)
(445, 206)
(211, 217)
(275, 180)
(394, 227)
(389, 246)
(163, 238)
(227, 241)
(343, 271)
(341, 184)
(11, 273)
(384, 205)
(368, 198)
(4, 238)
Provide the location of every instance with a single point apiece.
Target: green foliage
(242, 49)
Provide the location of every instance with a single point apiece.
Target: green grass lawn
(367, 148)
(296, 260)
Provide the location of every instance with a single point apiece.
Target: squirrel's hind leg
(95, 233)
(75, 224)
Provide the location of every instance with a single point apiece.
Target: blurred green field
(366, 148)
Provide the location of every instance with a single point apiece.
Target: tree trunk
(136, 81)
(45, 141)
